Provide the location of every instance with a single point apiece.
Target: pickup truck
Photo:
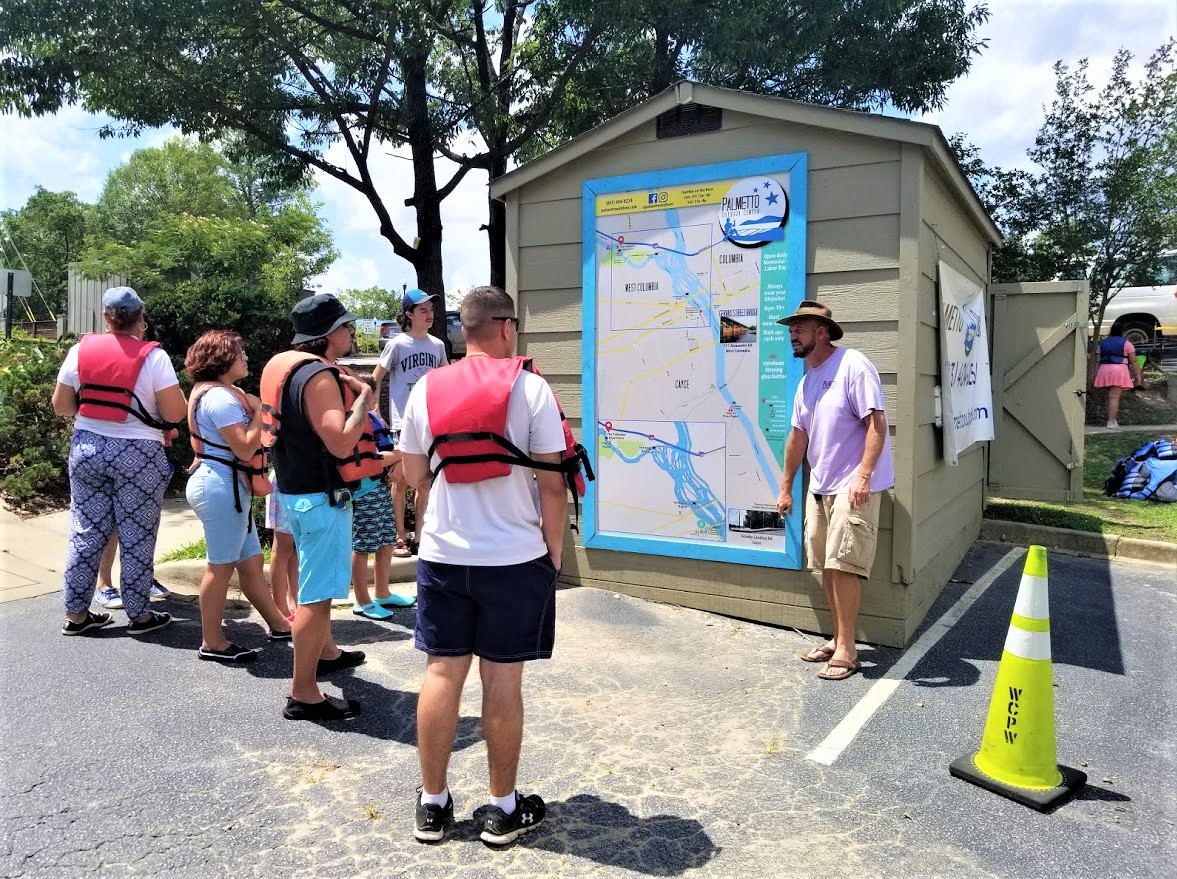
(1147, 314)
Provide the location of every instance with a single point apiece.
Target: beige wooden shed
(886, 202)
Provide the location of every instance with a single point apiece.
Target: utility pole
(11, 276)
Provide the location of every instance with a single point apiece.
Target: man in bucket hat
(840, 427)
(315, 424)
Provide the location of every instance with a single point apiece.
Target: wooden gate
(1039, 381)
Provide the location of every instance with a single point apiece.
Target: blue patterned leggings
(114, 483)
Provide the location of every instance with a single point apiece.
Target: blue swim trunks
(322, 535)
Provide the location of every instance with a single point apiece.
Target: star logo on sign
(772, 198)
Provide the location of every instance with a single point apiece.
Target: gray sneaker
(158, 590)
(110, 598)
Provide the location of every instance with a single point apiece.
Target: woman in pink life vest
(123, 395)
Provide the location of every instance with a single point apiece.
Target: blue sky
(999, 105)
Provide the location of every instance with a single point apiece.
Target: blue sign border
(796, 166)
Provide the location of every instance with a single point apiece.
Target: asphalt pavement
(667, 742)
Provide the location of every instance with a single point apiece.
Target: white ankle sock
(428, 799)
(507, 803)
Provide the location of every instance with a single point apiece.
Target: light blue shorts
(322, 535)
(227, 534)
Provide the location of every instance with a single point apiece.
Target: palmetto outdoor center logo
(753, 212)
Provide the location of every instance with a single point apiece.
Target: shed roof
(929, 137)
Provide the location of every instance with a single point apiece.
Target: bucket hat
(318, 316)
(813, 308)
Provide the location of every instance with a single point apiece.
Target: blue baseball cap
(121, 297)
(415, 297)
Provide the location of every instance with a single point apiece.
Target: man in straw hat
(840, 427)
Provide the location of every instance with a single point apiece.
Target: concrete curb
(1110, 546)
(183, 579)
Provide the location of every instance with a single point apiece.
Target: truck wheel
(1138, 332)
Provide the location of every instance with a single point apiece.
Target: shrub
(367, 342)
(34, 441)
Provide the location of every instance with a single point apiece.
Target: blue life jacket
(1111, 350)
(1149, 473)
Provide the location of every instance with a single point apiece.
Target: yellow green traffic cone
(1018, 758)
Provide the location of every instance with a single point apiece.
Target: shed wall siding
(946, 501)
(852, 264)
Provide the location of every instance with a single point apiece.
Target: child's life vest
(380, 433)
(252, 473)
(469, 429)
(364, 460)
(108, 368)
(1111, 350)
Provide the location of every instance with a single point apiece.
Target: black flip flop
(231, 655)
(345, 659)
(330, 708)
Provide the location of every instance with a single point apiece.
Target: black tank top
(301, 462)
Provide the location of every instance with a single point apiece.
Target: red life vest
(252, 472)
(364, 460)
(108, 368)
(469, 429)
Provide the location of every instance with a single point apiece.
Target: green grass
(198, 551)
(1098, 513)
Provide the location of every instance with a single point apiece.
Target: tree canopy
(1100, 203)
(328, 84)
(372, 303)
(46, 235)
(175, 222)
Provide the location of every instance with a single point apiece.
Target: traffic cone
(1018, 758)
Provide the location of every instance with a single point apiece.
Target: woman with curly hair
(226, 427)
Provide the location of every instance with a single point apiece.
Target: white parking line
(843, 734)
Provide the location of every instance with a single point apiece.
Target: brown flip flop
(844, 670)
(816, 654)
(401, 549)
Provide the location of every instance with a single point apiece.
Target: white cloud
(1000, 104)
(57, 152)
(356, 228)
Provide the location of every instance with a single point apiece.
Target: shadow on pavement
(1091, 792)
(391, 714)
(1083, 628)
(585, 826)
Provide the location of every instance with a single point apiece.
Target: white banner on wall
(964, 365)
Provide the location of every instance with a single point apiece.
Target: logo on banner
(753, 212)
(972, 322)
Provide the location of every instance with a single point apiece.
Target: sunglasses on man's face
(507, 317)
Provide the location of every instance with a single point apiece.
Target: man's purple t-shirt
(830, 404)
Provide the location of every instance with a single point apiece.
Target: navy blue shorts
(503, 613)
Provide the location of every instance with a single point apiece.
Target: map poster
(689, 380)
(964, 371)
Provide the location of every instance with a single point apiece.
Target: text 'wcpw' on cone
(1018, 757)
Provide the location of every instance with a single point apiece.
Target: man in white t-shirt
(488, 561)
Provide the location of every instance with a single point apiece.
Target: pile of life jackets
(1149, 473)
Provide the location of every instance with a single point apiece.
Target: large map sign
(689, 379)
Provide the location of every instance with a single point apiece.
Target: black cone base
(1039, 800)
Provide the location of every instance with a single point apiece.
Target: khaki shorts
(839, 537)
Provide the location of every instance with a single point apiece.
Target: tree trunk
(427, 260)
(496, 227)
